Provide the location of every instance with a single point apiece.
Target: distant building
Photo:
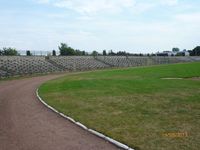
(170, 53)
(166, 53)
(183, 53)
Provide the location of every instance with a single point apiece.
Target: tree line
(8, 52)
(195, 51)
(66, 50)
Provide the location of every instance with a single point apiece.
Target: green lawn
(135, 105)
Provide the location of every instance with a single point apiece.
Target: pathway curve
(26, 124)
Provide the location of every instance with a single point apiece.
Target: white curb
(81, 125)
(97, 133)
(114, 142)
(117, 143)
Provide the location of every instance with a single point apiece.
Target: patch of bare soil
(172, 78)
(194, 78)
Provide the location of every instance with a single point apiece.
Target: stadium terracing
(27, 65)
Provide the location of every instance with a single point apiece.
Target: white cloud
(93, 28)
(95, 6)
(189, 17)
(169, 2)
(92, 7)
(57, 15)
(85, 18)
(142, 7)
(43, 1)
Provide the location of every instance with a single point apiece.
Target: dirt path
(26, 124)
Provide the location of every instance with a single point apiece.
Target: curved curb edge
(100, 135)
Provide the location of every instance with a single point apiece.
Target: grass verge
(134, 106)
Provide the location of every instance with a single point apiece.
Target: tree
(195, 51)
(83, 53)
(180, 54)
(28, 53)
(175, 49)
(140, 54)
(9, 52)
(111, 53)
(66, 50)
(104, 53)
(79, 53)
(94, 53)
(122, 53)
(53, 53)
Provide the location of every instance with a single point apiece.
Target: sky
(136, 26)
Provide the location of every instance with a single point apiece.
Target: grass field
(135, 105)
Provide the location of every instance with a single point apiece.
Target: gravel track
(26, 124)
